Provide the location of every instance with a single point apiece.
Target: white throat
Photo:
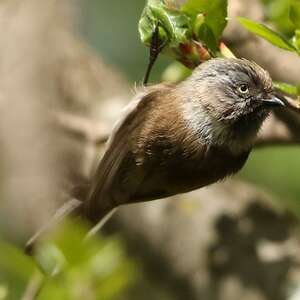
(211, 131)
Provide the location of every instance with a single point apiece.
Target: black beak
(273, 101)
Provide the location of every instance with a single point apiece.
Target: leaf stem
(155, 48)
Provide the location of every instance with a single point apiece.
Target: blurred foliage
(276, 170)
(277, 12)
(176, 72)
(111, 28)
(290, 14)
(287, 88)
(69, 267)
(276, 38)
(268, 34)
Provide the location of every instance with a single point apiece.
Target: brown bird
(177, 138)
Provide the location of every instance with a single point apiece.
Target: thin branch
(274, 132)
(292, 103)
(155, 49)
(34, 287)
(83, 128)
(70, 207)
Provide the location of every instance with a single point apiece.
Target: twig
(83, 128)
(276, 132)
(102, 222)
(70, 207)
(34, 287)
(155, 48)
(292, 103)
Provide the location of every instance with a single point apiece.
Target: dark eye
(243, 89)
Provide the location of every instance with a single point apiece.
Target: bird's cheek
(228, 112)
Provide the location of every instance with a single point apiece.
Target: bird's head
(233, 96)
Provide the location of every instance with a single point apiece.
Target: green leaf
(295, 13)
(3, 292)
(184, 36)
(174, 26)
(50, 259)
(208, 37)
(147, 25)
(94, 268)
(277, 12)
(16, 270)
(296, 40)
(174, 23)
(268, 34)
(175, 72)
(154, 2)
(286, 88)
(215, 12)
(13, 261)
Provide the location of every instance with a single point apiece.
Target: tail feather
(72, 207)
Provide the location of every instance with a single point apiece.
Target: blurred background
(67, 68)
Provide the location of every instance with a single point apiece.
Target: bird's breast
(187, 173)
(172, 169)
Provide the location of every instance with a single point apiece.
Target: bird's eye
(243, 89)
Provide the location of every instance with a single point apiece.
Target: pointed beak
(273, 101)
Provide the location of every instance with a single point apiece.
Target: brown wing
(107, 191)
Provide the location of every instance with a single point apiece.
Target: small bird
(174, 139)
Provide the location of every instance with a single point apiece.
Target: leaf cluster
(70, 267)
(279, 40)
(189, 32)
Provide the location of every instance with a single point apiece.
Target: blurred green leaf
(13, 260)
(277, 12)
(268, 34)
(296, 39)
(55, 288)
(70, 241)
(3, 292)
(295, 13)
(208, 37)
(49, 258)
(175, 72)
(286, 88)
(155, 2)
(123, 276)
(95, 268)
(16, 270)
(214, 12)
